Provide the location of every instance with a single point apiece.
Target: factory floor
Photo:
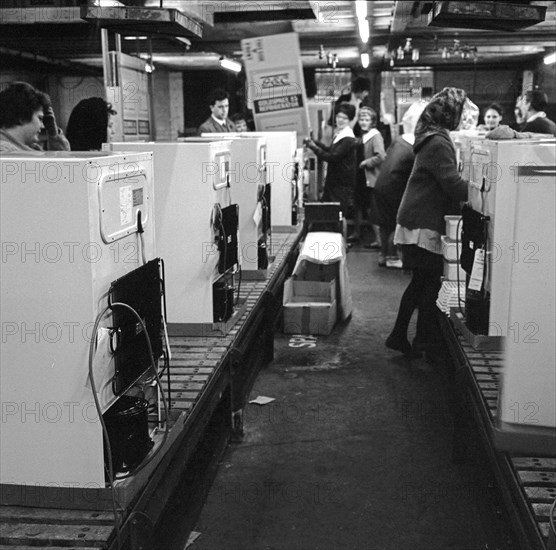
(355, 451)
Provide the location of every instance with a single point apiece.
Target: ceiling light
(549, 59)
(365, 60)
(230, 65)
(184, 40)
(107, 3)
(361, 9)
(364, 32)
(135, 38)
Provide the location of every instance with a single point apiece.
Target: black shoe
(399, 344)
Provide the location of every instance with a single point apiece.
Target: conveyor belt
(528, 483)
(200, 375)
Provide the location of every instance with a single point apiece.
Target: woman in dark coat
(432, 189)
(341, 156)
(391, 183)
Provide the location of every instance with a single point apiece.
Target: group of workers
(26, 114)
(411, 187)
(406, 191)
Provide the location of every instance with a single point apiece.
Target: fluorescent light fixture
(365, 60)
(135, 38)
(184, 40)
(364, 32)
(549, 59)
(361, 9)
(107, 3)
(230, 65)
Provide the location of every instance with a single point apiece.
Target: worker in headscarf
(433, 191)
(391, 184)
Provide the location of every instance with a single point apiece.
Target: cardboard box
(311, 271)
(309, 306)
(451, 250)
(451, 271)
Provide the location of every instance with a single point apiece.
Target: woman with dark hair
(24, 113)
(240, 120)
(90, 124)
(339, 184)
(492, 117)
(432, 189)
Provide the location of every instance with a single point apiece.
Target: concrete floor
(355, 451)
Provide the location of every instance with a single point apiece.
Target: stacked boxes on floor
(454, 276)
(317, 294)
(452, 239)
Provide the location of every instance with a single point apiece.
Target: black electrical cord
(159, 383)
(486, 266)
(458, 265)
(110, 471)
(267, 213)
(141, 231)
(240, 272)
(225, 243)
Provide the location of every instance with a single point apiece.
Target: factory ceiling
(184, 35)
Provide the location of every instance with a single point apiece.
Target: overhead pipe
(38, 58)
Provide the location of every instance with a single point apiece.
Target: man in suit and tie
(218, 121)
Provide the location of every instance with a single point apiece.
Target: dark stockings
(421, 294)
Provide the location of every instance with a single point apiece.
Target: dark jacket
(341, 157)
(540, 125)
(434, 183)
(392, 181)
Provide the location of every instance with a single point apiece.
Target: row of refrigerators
(507, 249)
(163, 227)
(169, 229)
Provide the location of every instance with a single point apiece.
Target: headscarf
(411, 116)
(469, 116)
(443, 111)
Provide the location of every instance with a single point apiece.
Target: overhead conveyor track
(527, 484)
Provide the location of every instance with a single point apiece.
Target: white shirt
(369, 135)
(346, 132)
(538, 114)
(221, 122)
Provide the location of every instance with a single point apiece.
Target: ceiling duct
(504, 16)
(269, 10)
(126, 20)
